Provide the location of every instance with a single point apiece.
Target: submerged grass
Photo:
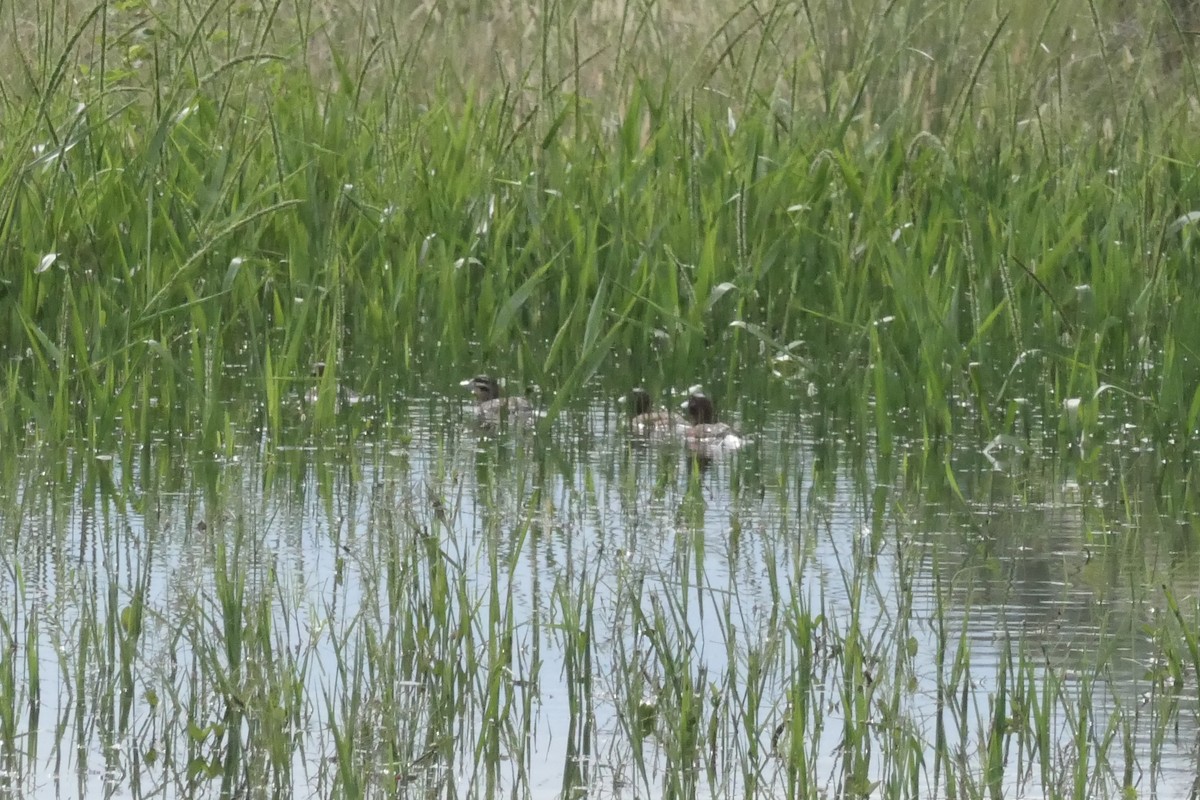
(470, 622)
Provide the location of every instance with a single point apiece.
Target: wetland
(934, 263)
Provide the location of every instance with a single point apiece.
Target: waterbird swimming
(704, 430)
(650, 421)
(490, 404)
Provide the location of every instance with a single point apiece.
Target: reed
(208, 185)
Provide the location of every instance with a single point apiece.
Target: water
(403, 572)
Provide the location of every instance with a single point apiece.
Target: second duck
(650, 421)
(705, 432)
(491, 406)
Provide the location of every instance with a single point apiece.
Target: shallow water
(395, 554)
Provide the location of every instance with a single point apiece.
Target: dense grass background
(970, 211)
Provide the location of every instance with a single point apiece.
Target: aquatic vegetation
(462, 616)
(954, 213)
(941, 254)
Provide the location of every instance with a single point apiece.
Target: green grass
(911, 229)
(225, 184)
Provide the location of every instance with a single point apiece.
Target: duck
(317, 371)
(342, 396)
(649, 421)
(705, 432)
(490, 404)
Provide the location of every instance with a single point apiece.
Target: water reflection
(432, 606)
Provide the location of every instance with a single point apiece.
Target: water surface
(407, 602)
